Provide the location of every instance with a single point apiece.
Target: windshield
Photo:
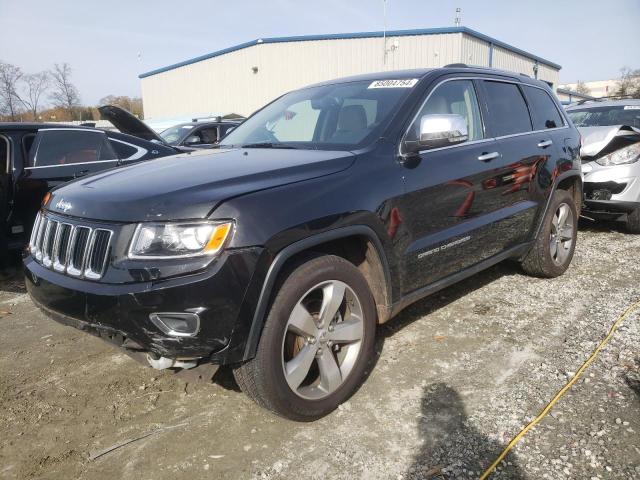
(330, 117)
(606, 116)
(173, 135)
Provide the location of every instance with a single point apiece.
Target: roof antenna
(458, 16)
(384, 34)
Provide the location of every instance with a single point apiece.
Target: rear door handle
(485, 157)
(545, 143)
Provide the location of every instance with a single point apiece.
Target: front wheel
(316, 343)
(552, 251)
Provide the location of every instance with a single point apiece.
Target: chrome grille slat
(61, 247)
(34, 233)
(43, 226)
(47, 243)
(76, 250)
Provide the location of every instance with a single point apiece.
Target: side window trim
(482, 93)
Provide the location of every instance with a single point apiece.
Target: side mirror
(192, 140)
(437, 131)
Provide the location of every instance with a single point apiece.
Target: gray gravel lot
(458, 375)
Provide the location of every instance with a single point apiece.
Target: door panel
(449, 207)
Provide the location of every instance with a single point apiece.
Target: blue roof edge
(339, 36)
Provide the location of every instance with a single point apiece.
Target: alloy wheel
(322, 340)
(562, 232)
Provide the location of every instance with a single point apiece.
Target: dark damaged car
(611, 159)
(324, 214)
(36, 157)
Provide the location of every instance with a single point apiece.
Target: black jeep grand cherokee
(325, 213)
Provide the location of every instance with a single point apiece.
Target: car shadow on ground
(632, 378)
(448, 438)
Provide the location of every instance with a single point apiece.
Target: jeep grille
(76, 250)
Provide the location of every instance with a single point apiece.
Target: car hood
(190, 185)
(596, 139)
(128, 123)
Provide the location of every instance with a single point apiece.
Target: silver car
(610, 153)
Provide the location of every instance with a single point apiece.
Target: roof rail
(604, 99)
(456, 65)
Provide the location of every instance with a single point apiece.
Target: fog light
(177, 324)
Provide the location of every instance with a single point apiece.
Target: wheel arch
(358, 244)
(571, 181)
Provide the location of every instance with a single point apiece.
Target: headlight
(178, 240)
(625, 155)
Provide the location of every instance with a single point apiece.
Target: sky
(110, 42)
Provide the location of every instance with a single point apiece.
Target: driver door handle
(485, 157)
(545, 143)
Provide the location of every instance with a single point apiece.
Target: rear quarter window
(543, 109)
(508, 111)
(123, 150)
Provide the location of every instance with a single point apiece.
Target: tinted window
(4, 155)
(63, 147)
(507, 109)
(544, 110)
(123, 150)
(455, 97)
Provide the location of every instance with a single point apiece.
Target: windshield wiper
(267, 145)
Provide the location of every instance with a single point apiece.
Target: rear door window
(543, 109)
(508, 112)
(66, 147)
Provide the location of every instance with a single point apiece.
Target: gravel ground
(458, 375)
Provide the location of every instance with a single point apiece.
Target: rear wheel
(553, 250)
(633, 221)
(317, 341)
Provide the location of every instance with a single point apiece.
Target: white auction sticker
(404, 83)
(627, 107)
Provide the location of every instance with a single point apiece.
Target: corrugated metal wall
(227, 83)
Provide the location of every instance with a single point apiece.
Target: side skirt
(404, 302)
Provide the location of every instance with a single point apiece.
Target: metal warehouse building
(241, 79)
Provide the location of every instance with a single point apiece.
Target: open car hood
(595, 140)
(128, 123)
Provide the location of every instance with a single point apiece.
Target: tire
(551, 253)
(633, 221)
(284, 351)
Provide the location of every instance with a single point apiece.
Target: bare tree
(582, 88)
(35, 85)
(9, 101)
(130, 104)
(64, 93)
(629, 83)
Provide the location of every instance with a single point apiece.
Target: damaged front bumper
(611, 191)
(123, 313)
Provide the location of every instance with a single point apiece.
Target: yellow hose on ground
(562, 391)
